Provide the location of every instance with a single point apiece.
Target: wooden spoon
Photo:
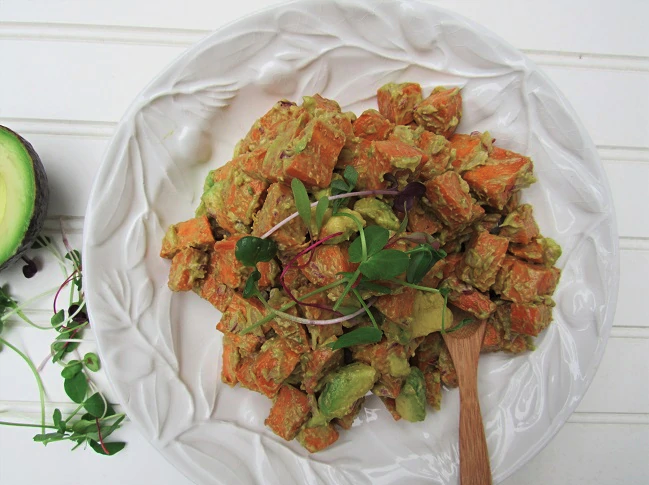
(464, 346)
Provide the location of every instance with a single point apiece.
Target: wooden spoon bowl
(464, 346)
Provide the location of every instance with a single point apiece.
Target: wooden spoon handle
(474, 456)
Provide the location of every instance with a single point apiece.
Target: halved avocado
(24, 196)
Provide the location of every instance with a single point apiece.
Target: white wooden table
(68, 70)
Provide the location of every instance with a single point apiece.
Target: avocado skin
(42, 194)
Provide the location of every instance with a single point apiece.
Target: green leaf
(339, 187)
(57, 420)
(95, 405)
(112, 448)
(445, 291)
(58, 318)
(110, 429)
(386, 264)
(358, 336)
(369, 286)
(351, 176)
(376, 237)
(71, 369)
(301, 201)
(420, 264)
(74, 256)
(48, 437)
(91, 361)
(251, 250)
(76, 387)
(403, 225)
(83, 426)
(320, 211)
(41, 241)
(251, 288)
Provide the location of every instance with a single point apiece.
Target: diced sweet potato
(328, 110)
(402, 159)
(317, 438)
(194, 233)
(266, 128)
(372, 125)
(213, 290)
(314, 154)
(471, 151)
(371, 169)
(488, 223)
(433, 381)
(469, 299)
(518, 344)
(317, 364)
(386, 357)
(526, 318)
(450, 199)
(294, 279)
(348, 419)
(187, 266)
(440, 154)
(326, 263)
(513, 202)
(246, 344)
(388, 386)
(427, 354)
(391, 405)
(228, 270)
(440, 112)
(240, 314)
(234, 200)
(482, 259)
(492, 338)
(422, 220)
(245, 374)
(289, 412)
(279, 204)
(397, 307)
(231, 360)
(251, 163)
(523, 282)
(447, 372)
(503, 173)
(519, 226)
(541, 250)
(273, 365)
(397, 101)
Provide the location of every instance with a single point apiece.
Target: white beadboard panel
(587, 454)
(551, 26)
(634, 289)
(76, 81)
(621, 384)
(630, 187)
(23, 462)
(611, 96)
(89, 81)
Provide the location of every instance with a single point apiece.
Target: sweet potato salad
(339, 248)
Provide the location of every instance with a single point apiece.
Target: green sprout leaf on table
(100, 420)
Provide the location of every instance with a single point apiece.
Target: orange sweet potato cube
(433, 381)
(523, 282)
(482, 259)
(245, 374)
(315, 154)
(289, 412)
(530, 319)
(246, 343)
(504, 173)
(398, 308)
(447, 372)
(372, 125)
(492, 340)
(187, 266)
(440, 154)
(440, 112)
(450, 199)
(195, 233)
(231, 360)
(422, 220)
(326, 263)
(471, 151)
(363, 158)
(519, 226)
(402, 158)
(317, 438)
(279, 204)
(228, 270)
(329, 110)
(240, 314)
(273, 365)
(388, 386)
(391, 405)
(265, 129)
(469, 299)
(317, 364)
(397, 101)
(540, 250)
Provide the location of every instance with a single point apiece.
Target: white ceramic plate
(161, 350)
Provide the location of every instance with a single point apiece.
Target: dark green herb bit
(251, 250)
(358, 336)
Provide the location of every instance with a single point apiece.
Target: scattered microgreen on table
(99, 420)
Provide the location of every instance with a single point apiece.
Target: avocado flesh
(23, 196)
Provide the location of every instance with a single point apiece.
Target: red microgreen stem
(63, 285)
(101, 439)
(331, 321)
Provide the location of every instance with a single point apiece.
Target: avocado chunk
(24, 196)
(377, 211)
(411, 401)
(427, 311)
(344, 387)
